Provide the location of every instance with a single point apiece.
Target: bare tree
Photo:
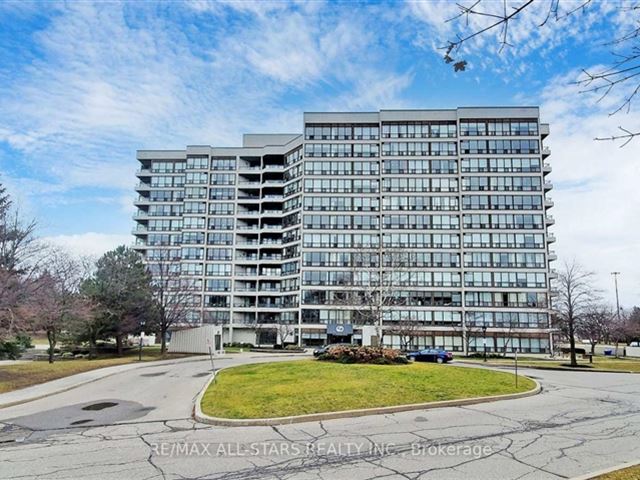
(284, 330)
(372, 284)
(20, 258)
(55, 299)
(175, 295)
(625, 327)
(596, 324)
(576, 293)
(470, 330)
(17, 241)
(406, 329)
(482, 18)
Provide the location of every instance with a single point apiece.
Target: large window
(520, 165)
(474, 128)
(341, 132)
(419, 130)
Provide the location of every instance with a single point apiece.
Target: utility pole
(615, 279)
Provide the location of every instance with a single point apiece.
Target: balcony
(272, 212)
(273, 197)
(552, 257)
(546, 151)
(248, 227)
(142, 201)
(247, 258)
(272, 227)
(252, 168)
(546, 168)
(143, 186)
(247, 242)
(544, 130)
(246, 184)
(273, 182)
(247, 274)
(270, 273)
(248, 213)
(274, 167)
(548, 203)
(553, 275)
(550, 220)
(270, 258)
(548, 185)
(246, 198)
(551, 238)
(270, 289)
(143, 172)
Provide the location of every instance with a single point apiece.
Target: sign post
(213, 369)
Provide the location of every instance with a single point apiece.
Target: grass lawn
(13, 377)
(605, 363)
(310, 386)
(631, 473)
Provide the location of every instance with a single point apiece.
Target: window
(218, 269)
(200, 162)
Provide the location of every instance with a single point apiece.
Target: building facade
(416, 228)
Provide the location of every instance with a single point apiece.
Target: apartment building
(416, 228)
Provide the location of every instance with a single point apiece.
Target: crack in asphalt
(557, 434)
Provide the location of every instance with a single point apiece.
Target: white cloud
(531, 31)
(111, 79)
(596, 196)
(90, 244)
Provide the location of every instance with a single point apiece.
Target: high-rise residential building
(428, 226)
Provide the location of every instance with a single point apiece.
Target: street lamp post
(484, 341)
(140, 343)
(615, 280)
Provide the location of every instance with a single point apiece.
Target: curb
(152, 363)
(593, 475)
(201, 417)
(539, 367)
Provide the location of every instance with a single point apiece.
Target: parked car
(431, 355)
(325, 348)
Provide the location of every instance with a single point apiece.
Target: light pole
(484, 341)
(140, 343)
(615, 280)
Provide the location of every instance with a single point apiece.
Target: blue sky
(83, 86)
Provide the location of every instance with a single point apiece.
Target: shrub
(10, 349)
(239, 345)
(355, 354)
(24, 341)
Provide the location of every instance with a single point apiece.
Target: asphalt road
(137, 425)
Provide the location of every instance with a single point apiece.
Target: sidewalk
(60, 385)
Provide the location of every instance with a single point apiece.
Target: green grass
(309, 386)
(631, 473)
(14, 377)
(604, 363)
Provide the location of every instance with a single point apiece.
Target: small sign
(340, 329)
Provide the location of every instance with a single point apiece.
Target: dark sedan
(431, 355)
